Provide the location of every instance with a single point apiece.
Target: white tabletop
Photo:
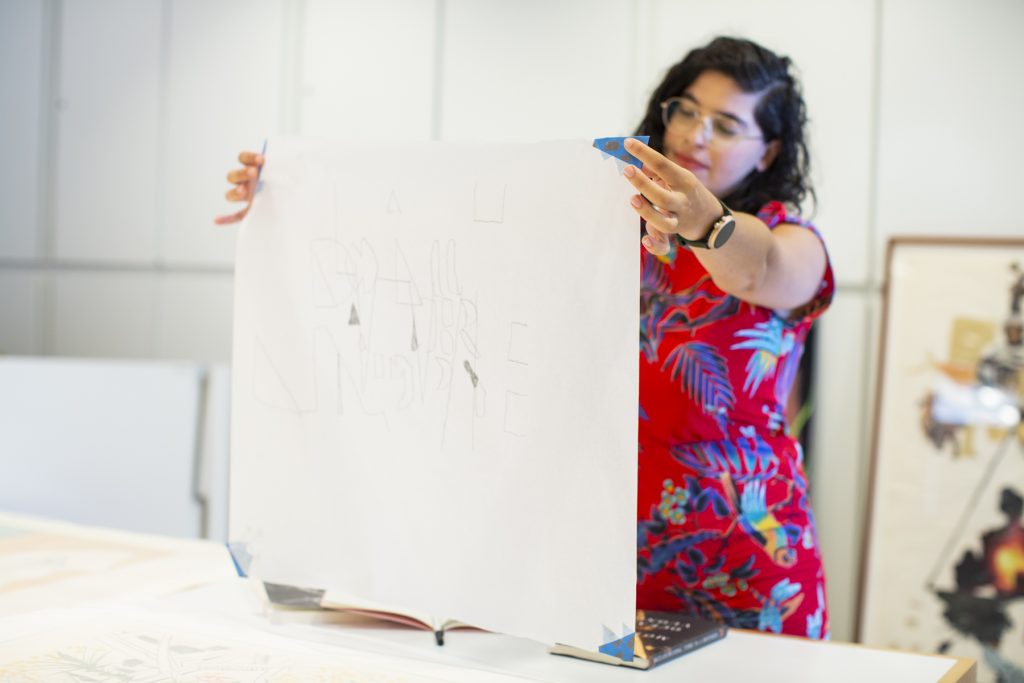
(71, 610)
(741, 656)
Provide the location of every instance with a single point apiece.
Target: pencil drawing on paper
(489, 202)
(393, 206)
(403, 352)
(513, 414)
(351, 363)
(472, 375)
(516, 343)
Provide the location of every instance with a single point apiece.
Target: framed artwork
(943, 561)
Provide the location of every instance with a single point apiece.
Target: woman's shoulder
(776, 213)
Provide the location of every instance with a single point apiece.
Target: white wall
(120, 118)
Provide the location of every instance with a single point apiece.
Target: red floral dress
(724, 526)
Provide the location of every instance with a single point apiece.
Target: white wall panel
(108, 126)
(832, 46)
(104, 314)
(952, 92)
(223, 96)
(839, 449)
(19, 312)
(22, 78)
(100, 443)
(195, 317)
(367, 69)
(537, 70)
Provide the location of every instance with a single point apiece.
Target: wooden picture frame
(943, 550)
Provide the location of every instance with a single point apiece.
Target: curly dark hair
(781, 114)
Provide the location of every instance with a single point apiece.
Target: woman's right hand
(244, 180)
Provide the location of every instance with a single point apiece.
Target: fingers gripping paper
(435, 382)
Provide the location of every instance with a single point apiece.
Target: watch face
(724, 233)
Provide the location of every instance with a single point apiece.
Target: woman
(729, 289)
(725, 527)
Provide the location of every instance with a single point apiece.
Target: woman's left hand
(671, 200)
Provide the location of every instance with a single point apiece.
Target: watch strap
(717, 235)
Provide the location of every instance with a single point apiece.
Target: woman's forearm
(779, 268)
(739, 266)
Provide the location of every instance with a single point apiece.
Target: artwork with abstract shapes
(944, 569)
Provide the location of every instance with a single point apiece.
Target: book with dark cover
(660, 637)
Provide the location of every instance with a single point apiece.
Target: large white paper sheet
(435, 382)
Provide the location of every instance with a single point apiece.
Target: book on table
(308, 598)
(660, 637)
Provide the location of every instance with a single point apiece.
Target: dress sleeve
(774, 214)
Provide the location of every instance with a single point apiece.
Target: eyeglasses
(682, 115)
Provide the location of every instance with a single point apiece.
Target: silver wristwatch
(718, 234)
